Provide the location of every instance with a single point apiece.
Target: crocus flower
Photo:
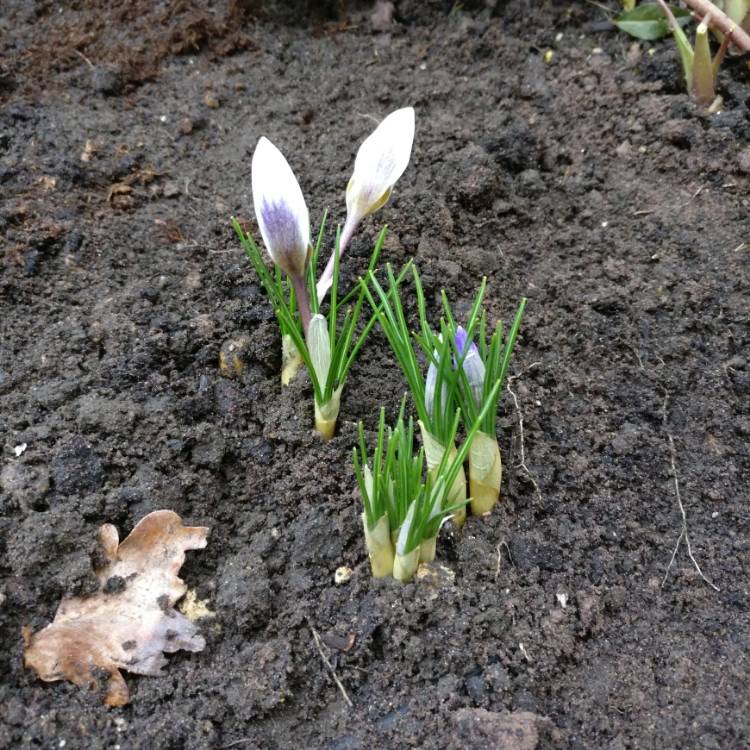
(472, 365)
(282, 217)
(381, 160)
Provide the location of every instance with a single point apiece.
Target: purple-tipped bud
(280, 209)
(473, 366)
(460, 339)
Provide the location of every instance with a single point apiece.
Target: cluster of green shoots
(728, 21)
(455, 384)
(462, 385)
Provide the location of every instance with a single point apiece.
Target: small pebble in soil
(233, 356)
(343, 574)
(171, 190)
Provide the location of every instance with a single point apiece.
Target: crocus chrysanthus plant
(308, 336)
(404, 508)
(462, 378)
(479, 369)
(434, 394)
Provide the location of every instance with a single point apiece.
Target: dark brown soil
(590, 184)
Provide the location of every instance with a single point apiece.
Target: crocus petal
(460, 339)
(280, 209)
(472, 365)
(381, 160)
(475, 371)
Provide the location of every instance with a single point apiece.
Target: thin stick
(327, 662)
(721, 22)
(499, 557)
(684, 531)
(84, 58)
(522, 463)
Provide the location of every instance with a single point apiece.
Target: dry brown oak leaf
(131, 620)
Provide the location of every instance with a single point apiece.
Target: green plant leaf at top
(648, 21)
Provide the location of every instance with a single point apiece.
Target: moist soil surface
(585, 180)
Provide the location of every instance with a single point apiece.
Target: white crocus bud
(381, 160)
(280, 209)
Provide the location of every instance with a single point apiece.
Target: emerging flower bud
(381, 160)
(472, 366)
(319, 346)
(280, 209)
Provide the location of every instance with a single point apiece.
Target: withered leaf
(131, 621)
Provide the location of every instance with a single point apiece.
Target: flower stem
(325, 281)
(303, 301)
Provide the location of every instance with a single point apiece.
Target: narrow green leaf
(648, 21)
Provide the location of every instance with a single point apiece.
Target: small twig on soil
(522, 463)
(499, 557)
(327, 662)
(84, 58)
(684, 531)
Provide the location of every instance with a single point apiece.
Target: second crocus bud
(472, 365)
(381, 160)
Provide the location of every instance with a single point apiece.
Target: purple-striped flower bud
(280, 209)
(472, 365)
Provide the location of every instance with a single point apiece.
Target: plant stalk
(456, 493)
(405, 566)
(379, 547)
(721, 22)
(427, 550)
(326, 414)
